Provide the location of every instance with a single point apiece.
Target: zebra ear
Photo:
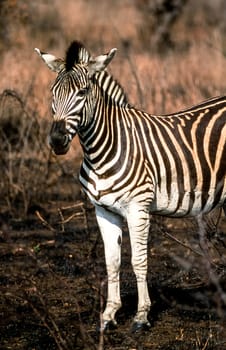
(99, 63)
(55, 64)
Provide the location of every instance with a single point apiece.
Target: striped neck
(100, 139)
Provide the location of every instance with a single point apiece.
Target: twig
(81, 213)
(183, 244)
(55, 332)
(199, 343)
(84, 334)
(76, 205)
(44, 222)
(62, 222)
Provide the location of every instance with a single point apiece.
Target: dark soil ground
(53, 282)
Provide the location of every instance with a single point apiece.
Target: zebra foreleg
(110, 225)
(138, 222)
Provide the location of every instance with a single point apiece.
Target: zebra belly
(110, 202)
(175, 206)
(171, 203)
(186, 204)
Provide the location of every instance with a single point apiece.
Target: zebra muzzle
(59, 140)
(59, 144)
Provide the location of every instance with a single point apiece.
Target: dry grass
(183, 75)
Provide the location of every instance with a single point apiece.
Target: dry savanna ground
(171, 55)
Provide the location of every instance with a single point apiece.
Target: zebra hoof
(139, 327)
(108, 326)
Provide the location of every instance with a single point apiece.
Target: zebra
(135, 164)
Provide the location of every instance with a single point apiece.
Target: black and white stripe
(175, 164)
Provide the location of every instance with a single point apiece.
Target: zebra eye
(82, 92)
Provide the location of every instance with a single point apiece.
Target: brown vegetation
(171, 54)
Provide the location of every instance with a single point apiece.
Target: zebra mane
(76, 53)
(112, 88)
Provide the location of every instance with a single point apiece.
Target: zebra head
(73, 94)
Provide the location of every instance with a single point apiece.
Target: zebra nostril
(57, 139)
(66, 140)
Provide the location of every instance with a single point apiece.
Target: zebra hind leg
(138, 222)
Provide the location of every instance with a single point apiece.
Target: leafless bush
(23, 153)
